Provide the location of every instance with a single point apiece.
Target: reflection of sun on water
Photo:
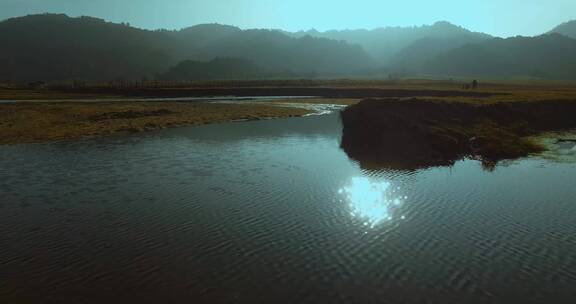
(374, 202)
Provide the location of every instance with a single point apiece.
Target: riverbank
(61, 113)
(30, 122)
(416, 133)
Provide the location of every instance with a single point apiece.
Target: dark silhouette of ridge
(57, 47)
(218, 68)
(53, 47)
(548, 56)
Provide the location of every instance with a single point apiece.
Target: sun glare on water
(373, 202)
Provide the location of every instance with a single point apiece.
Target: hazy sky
(497, 17)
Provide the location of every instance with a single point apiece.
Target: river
(274, 211)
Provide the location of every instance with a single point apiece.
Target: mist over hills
(413, 58)
(384, 43)
(277, 51)
(566, 29)
(547, 56)
(57, 47)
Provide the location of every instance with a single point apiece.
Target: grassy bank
(415, 133)
(443, 122)
(40, 122)
(46, 94)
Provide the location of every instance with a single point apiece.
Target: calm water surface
(275, 212)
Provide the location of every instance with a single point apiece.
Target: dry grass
(26, 94)
(39, 122)
(509, 91)
(44, 121)
(524, 90)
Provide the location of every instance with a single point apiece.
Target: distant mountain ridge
(412, 58)
(53, 46)
(275, 50)
(386, 42)
(58, 47)
(566, 29)
(218, 68)
(545, 56)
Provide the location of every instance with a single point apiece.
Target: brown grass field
(49, 121)
(489, 90)
(54, 113)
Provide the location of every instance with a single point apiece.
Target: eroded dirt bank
(415, 133)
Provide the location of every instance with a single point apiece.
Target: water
(275, 212)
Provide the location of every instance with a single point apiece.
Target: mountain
(52, 46)
(205, 34)
(57, 47)
(411, 59)
(385, 43)
(566, 29)
(219, 68)
(547, 56)
(278, 51)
